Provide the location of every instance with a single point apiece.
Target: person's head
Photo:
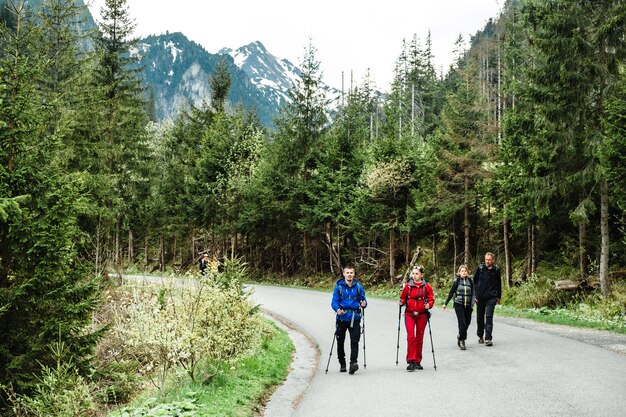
(489, 259)
(462, 272)
(205, 256)
(348, 273)
(417, 272)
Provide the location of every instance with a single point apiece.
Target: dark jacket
(463, 288)
(203, 265)
(414, 295)
(487, 282)
(348, 299)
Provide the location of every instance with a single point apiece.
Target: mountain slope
(177, 70)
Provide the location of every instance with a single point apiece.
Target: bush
(59, 392)
(186, 324)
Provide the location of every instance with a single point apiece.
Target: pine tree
(45, 292)
(220, 84)
(122, 140)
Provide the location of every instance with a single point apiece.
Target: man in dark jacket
(348, 299)
(488, 290)
(204, 263)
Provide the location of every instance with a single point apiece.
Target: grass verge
(565, 317)
(239, 391)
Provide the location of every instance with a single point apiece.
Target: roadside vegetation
(190, 347)
(536, 298)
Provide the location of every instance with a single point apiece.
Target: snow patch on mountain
(173, 49)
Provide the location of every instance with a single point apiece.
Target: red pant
(415, 326)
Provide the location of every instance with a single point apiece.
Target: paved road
(526, 373)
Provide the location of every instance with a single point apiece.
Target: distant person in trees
(488, 289)
(214, 265)
(204, 263)
(463, 292)
(418, 297)
(348, 300)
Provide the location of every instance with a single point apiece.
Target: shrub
(59, 392)
(186, 324)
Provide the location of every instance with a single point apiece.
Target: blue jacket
(348, 299)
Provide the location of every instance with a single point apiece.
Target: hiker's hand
(444, 307)
(340, 312)
(363, 303)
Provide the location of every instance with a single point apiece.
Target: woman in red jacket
(417, 295)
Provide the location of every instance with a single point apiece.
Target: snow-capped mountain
(273, 76)
(177, 71)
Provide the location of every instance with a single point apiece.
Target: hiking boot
(343, 368)
(354, 367)
(418, 366)
(488, 342)
(410, 367)
(481, 340)
(462, 344)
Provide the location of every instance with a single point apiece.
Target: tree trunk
(604, 231)
(116, 255)
(466, 234)
(507, 252)
(392, 256)
(162, 253)
(131, 250)
(533, 229)
(435, 267)
(98, 249)
(456, 249)
(146, 259)
(582, 250)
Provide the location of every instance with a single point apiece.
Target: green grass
(567, 317)
(236, 392)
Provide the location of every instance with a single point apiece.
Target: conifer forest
(519, 148)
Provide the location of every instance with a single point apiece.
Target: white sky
(349, 35)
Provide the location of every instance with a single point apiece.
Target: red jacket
(413, 296)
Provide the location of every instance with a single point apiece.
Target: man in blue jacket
(348, 299)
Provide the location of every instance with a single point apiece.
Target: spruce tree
(45, 293)
(121, 133)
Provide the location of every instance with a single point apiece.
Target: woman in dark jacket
(463, 292)
(418, 297)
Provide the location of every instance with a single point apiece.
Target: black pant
(464, 318)
(355, 336)
(485, 307)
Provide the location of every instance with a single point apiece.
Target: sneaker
(481, 340)
(462, 344)
(354, 367)
(488, 342)
(343, 368)
(410, 367)
(418, 366)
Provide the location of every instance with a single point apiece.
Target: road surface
(528, 372)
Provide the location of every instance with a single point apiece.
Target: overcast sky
(349, 35)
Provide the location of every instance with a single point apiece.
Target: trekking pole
(398, 345)
(331, 350)
(431, 339)
(363, 323)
